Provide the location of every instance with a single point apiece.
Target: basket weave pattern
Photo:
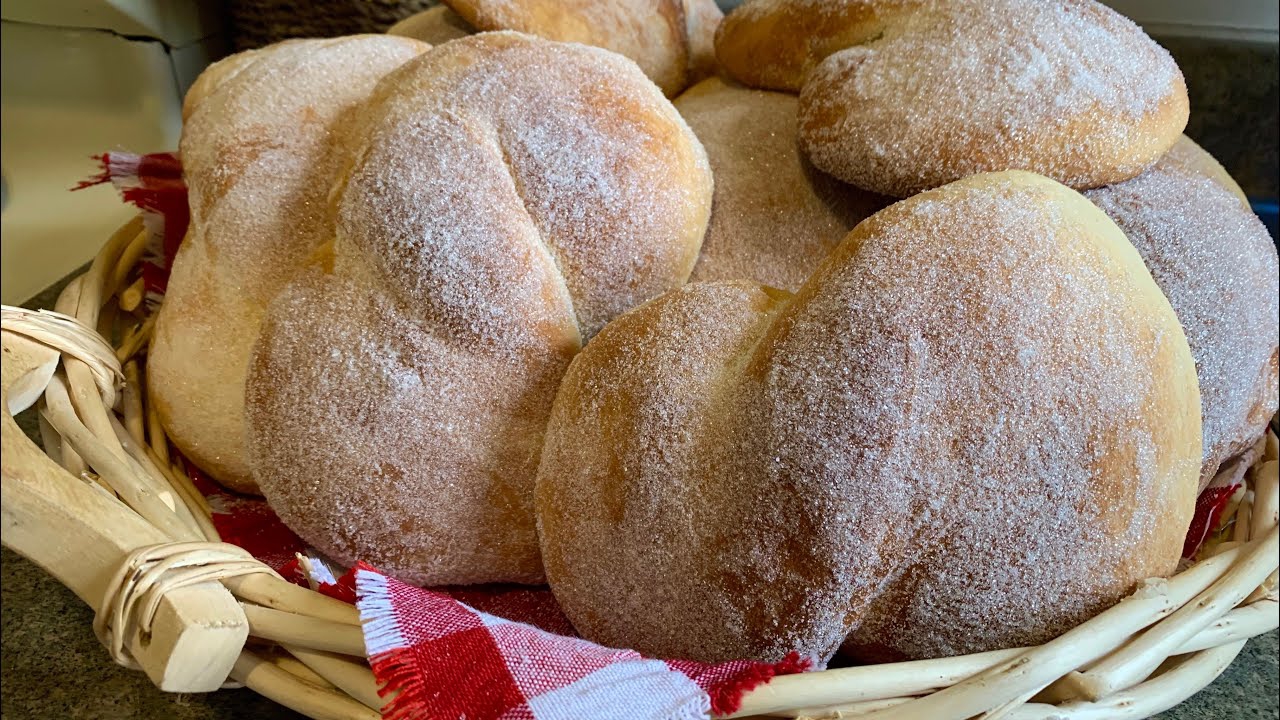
(256, 23)
(107, 510)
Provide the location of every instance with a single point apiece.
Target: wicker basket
(255, 23)
(106, 511)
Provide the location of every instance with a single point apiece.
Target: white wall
(81, 77)
(69, 94)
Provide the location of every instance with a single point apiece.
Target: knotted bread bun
(775, 216)
(1216, 262)
(900, 96)
(259, 155)
(673, 41)
(976, 425)
(510, 196)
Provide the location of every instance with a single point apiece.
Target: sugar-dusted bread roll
(900, 96)
(673, 41)
(258, 156)
(510, 196)
(775, 216)
(976, 425)
(702, 19)
(436, 26)
(1216, 262)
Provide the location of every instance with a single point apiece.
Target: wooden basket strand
(105, 510)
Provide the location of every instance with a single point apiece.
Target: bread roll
(509, 197)
(212, 77)
(897, 97)
(976, 425)
(702, 19)
(258, 156)
(1216, 262)
(671, 40)
(436, 26)
(775, 216)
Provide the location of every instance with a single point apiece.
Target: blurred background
(84, 76)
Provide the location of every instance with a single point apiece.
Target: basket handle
(81, 534)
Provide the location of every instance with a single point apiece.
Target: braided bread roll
(897, 96)
(673, 41)
(976, 425)
(258, 154)
(509, 196)
(1216, 262)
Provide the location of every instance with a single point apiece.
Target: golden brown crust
(773, 45)
(510, 195)
(653, 34)
(1215, 261)
(436, 26)
(974, 425)
(258, 153)
(775, 216)
(898, 97)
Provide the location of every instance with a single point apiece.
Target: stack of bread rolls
(477, 302)
(671, 40)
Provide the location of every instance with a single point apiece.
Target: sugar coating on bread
(258, 154)
(508, 196)
(1216, 262)
(906, 96)
(775, 216)
(774, 44)
(653, 34)
(976, 424)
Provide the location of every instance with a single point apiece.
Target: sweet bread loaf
(900, 96)
(259, 153)
(437, 25)
(673, 41)
(975, 425)
(1216, 262)
(775, 216)
(507, 197)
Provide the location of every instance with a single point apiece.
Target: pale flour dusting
(509, 196)
(1215, 261)
(775, 216)
(258, 156)
(950, 440)
(1071, 89)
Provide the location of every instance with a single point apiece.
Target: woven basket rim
(1154, 649)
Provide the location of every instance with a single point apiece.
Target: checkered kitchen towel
(445, 659)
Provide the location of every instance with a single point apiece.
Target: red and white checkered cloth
(446, 659)
(152, 183)
(489, 652)
(507, 652)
